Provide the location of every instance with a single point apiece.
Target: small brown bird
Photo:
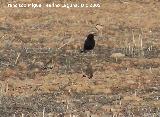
(99, 28)
(88, 71)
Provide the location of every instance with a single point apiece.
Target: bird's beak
(95, 34)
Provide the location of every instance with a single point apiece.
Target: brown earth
(122, 86)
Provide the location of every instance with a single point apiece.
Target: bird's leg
(92, 52)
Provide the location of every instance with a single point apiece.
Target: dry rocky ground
(127, 86)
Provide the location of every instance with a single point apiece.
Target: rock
(117, 55)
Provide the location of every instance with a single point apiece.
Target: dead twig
(65, 44)
(19, 54)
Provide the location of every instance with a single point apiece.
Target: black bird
(89, 43)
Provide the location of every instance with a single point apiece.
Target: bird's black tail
(81, 51)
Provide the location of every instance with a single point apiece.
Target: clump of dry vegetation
(42, 69)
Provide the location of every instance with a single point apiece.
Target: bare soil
(42, 70)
